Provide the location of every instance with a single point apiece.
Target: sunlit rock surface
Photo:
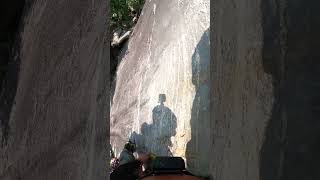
(57, 126)
(161, 96)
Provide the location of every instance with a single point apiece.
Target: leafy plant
(123, 11)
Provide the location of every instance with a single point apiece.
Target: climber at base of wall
(162, 167)
(127, 166)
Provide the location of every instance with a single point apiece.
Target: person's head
(130, 146)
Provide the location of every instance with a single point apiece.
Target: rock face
(265, 90)
(161, 98)
(57, 122)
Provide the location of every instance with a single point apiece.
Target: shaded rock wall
(11, 13)
(57, 123)
(242, 91)
(265, 90)
(161, 96)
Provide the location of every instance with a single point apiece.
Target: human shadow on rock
(156, 137)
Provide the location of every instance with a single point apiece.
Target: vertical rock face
(242, 91)
(57, 124)
(161, 98)
(266, 90)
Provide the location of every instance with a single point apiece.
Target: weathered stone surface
(167, 54)
(266, 90)
(242, 91)
(57, 123)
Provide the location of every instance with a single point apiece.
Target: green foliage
(122, 12)
(135, 4)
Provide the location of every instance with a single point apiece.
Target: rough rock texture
(57, 123)
(266, 90)
(242, 91)
(168, 54)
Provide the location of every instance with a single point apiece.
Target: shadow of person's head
(162, 98)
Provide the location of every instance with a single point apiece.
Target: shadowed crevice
(12, 14)
(290, 54)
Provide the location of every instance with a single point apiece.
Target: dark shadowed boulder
(57, 126)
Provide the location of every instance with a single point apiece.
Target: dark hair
(130, 146)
